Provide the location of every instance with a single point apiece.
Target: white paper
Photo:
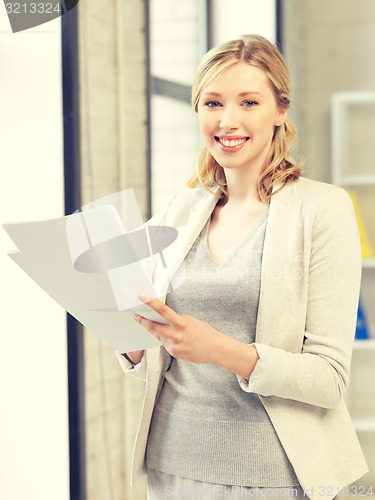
(104, 298)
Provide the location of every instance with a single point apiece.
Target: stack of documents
(95, 262)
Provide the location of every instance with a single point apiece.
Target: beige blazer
(310, 282)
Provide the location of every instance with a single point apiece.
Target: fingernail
(142, 296)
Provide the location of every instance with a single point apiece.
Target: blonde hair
(280, 166)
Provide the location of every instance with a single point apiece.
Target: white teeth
(232, 143)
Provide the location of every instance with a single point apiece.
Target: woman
(245, 395)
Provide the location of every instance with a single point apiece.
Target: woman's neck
(242, 188)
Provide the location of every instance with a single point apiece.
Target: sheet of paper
(44, 253)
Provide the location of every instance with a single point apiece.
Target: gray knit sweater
(204, 426)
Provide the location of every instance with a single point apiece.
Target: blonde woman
(245, 396)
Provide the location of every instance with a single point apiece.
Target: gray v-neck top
(204, 426)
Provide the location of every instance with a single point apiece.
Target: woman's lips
(231, 144)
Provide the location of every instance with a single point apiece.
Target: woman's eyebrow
(249, 92)
(216, 94)
(241, 94)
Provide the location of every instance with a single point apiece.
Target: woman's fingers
(151, 326)
(158, 306)
(147, 323)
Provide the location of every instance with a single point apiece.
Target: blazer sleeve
(319, 374)
(139, 371)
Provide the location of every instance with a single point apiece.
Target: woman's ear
(282, 116)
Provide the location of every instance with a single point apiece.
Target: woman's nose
(228, 119)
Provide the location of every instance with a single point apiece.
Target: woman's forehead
(241, 78)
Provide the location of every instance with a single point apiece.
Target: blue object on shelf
(361, 331)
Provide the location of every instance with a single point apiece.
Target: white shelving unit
(364, 424)
(353, 167)
(341, 102)
(364, 345)
(368, 263)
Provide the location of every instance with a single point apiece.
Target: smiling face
(237, 114)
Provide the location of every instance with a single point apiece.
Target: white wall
(232, 19)
(33, 366)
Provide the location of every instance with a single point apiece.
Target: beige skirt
(161, 485)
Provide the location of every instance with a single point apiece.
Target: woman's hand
(184, 337)
(189, 338)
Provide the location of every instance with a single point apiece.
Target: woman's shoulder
(191, 196)
(311, 192)
(325, 206)
(179, 207)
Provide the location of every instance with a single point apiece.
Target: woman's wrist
(237, 357)
(133, 357)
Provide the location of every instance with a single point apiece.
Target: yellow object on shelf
(365, 241)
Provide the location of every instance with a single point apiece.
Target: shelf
(368, 263)
(364, 345)
(354, 180)
(353, 97)
(364, 424)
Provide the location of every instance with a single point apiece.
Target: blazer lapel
(188, 233)
(198, 218)
(281, 279)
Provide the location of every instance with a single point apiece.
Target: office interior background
(98, 101)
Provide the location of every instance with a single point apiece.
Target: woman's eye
(249, 104)
(213, 104)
